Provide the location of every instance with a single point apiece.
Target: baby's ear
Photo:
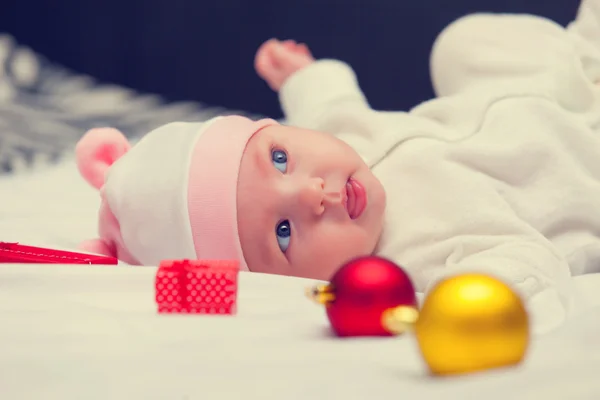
(97, 150)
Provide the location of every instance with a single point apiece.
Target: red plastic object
(21, 254)
(197, 287)
(364, 288)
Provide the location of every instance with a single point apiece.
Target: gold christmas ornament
(468, 323)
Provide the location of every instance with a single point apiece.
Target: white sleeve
(524, 261)
(516, 254)
(455, 220)
(459, 221)
(496, 49)
(310, 94)
(471, 227)
(481, 233)
(325, 96)
(506, 247)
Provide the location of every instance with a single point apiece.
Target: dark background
(203, 50)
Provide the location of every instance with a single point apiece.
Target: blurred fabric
(45, 108)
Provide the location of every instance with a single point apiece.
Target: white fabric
(79, 332)
(500, 174)
(93, 333)
(147, 190)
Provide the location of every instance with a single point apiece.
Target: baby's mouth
(356, 198)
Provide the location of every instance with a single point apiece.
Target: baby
(282, 200)
(500, 173)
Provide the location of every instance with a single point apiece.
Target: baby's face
(306, 203)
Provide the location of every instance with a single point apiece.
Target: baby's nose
(311, 195)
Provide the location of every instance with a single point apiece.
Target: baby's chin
(325, 273)
(315, 269)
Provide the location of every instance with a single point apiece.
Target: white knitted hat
(174, 192)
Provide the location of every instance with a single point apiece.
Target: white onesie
(501, 172)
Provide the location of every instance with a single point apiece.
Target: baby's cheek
(327, 251)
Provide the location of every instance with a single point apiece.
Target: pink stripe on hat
(212, 188)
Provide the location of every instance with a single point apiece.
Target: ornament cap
(321, 294)
(400, 319)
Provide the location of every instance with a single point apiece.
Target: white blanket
(81, 332)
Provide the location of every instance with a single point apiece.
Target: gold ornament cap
(400, 319)
(321, 294)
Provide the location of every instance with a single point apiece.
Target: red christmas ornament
(360, 292)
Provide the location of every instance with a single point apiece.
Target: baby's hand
(276, 61)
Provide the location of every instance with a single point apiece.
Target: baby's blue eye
(283, 232)
(279, 158)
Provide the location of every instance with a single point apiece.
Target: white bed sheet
(82, 332)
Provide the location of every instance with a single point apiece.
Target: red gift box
(21, 254)
(197, 287)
